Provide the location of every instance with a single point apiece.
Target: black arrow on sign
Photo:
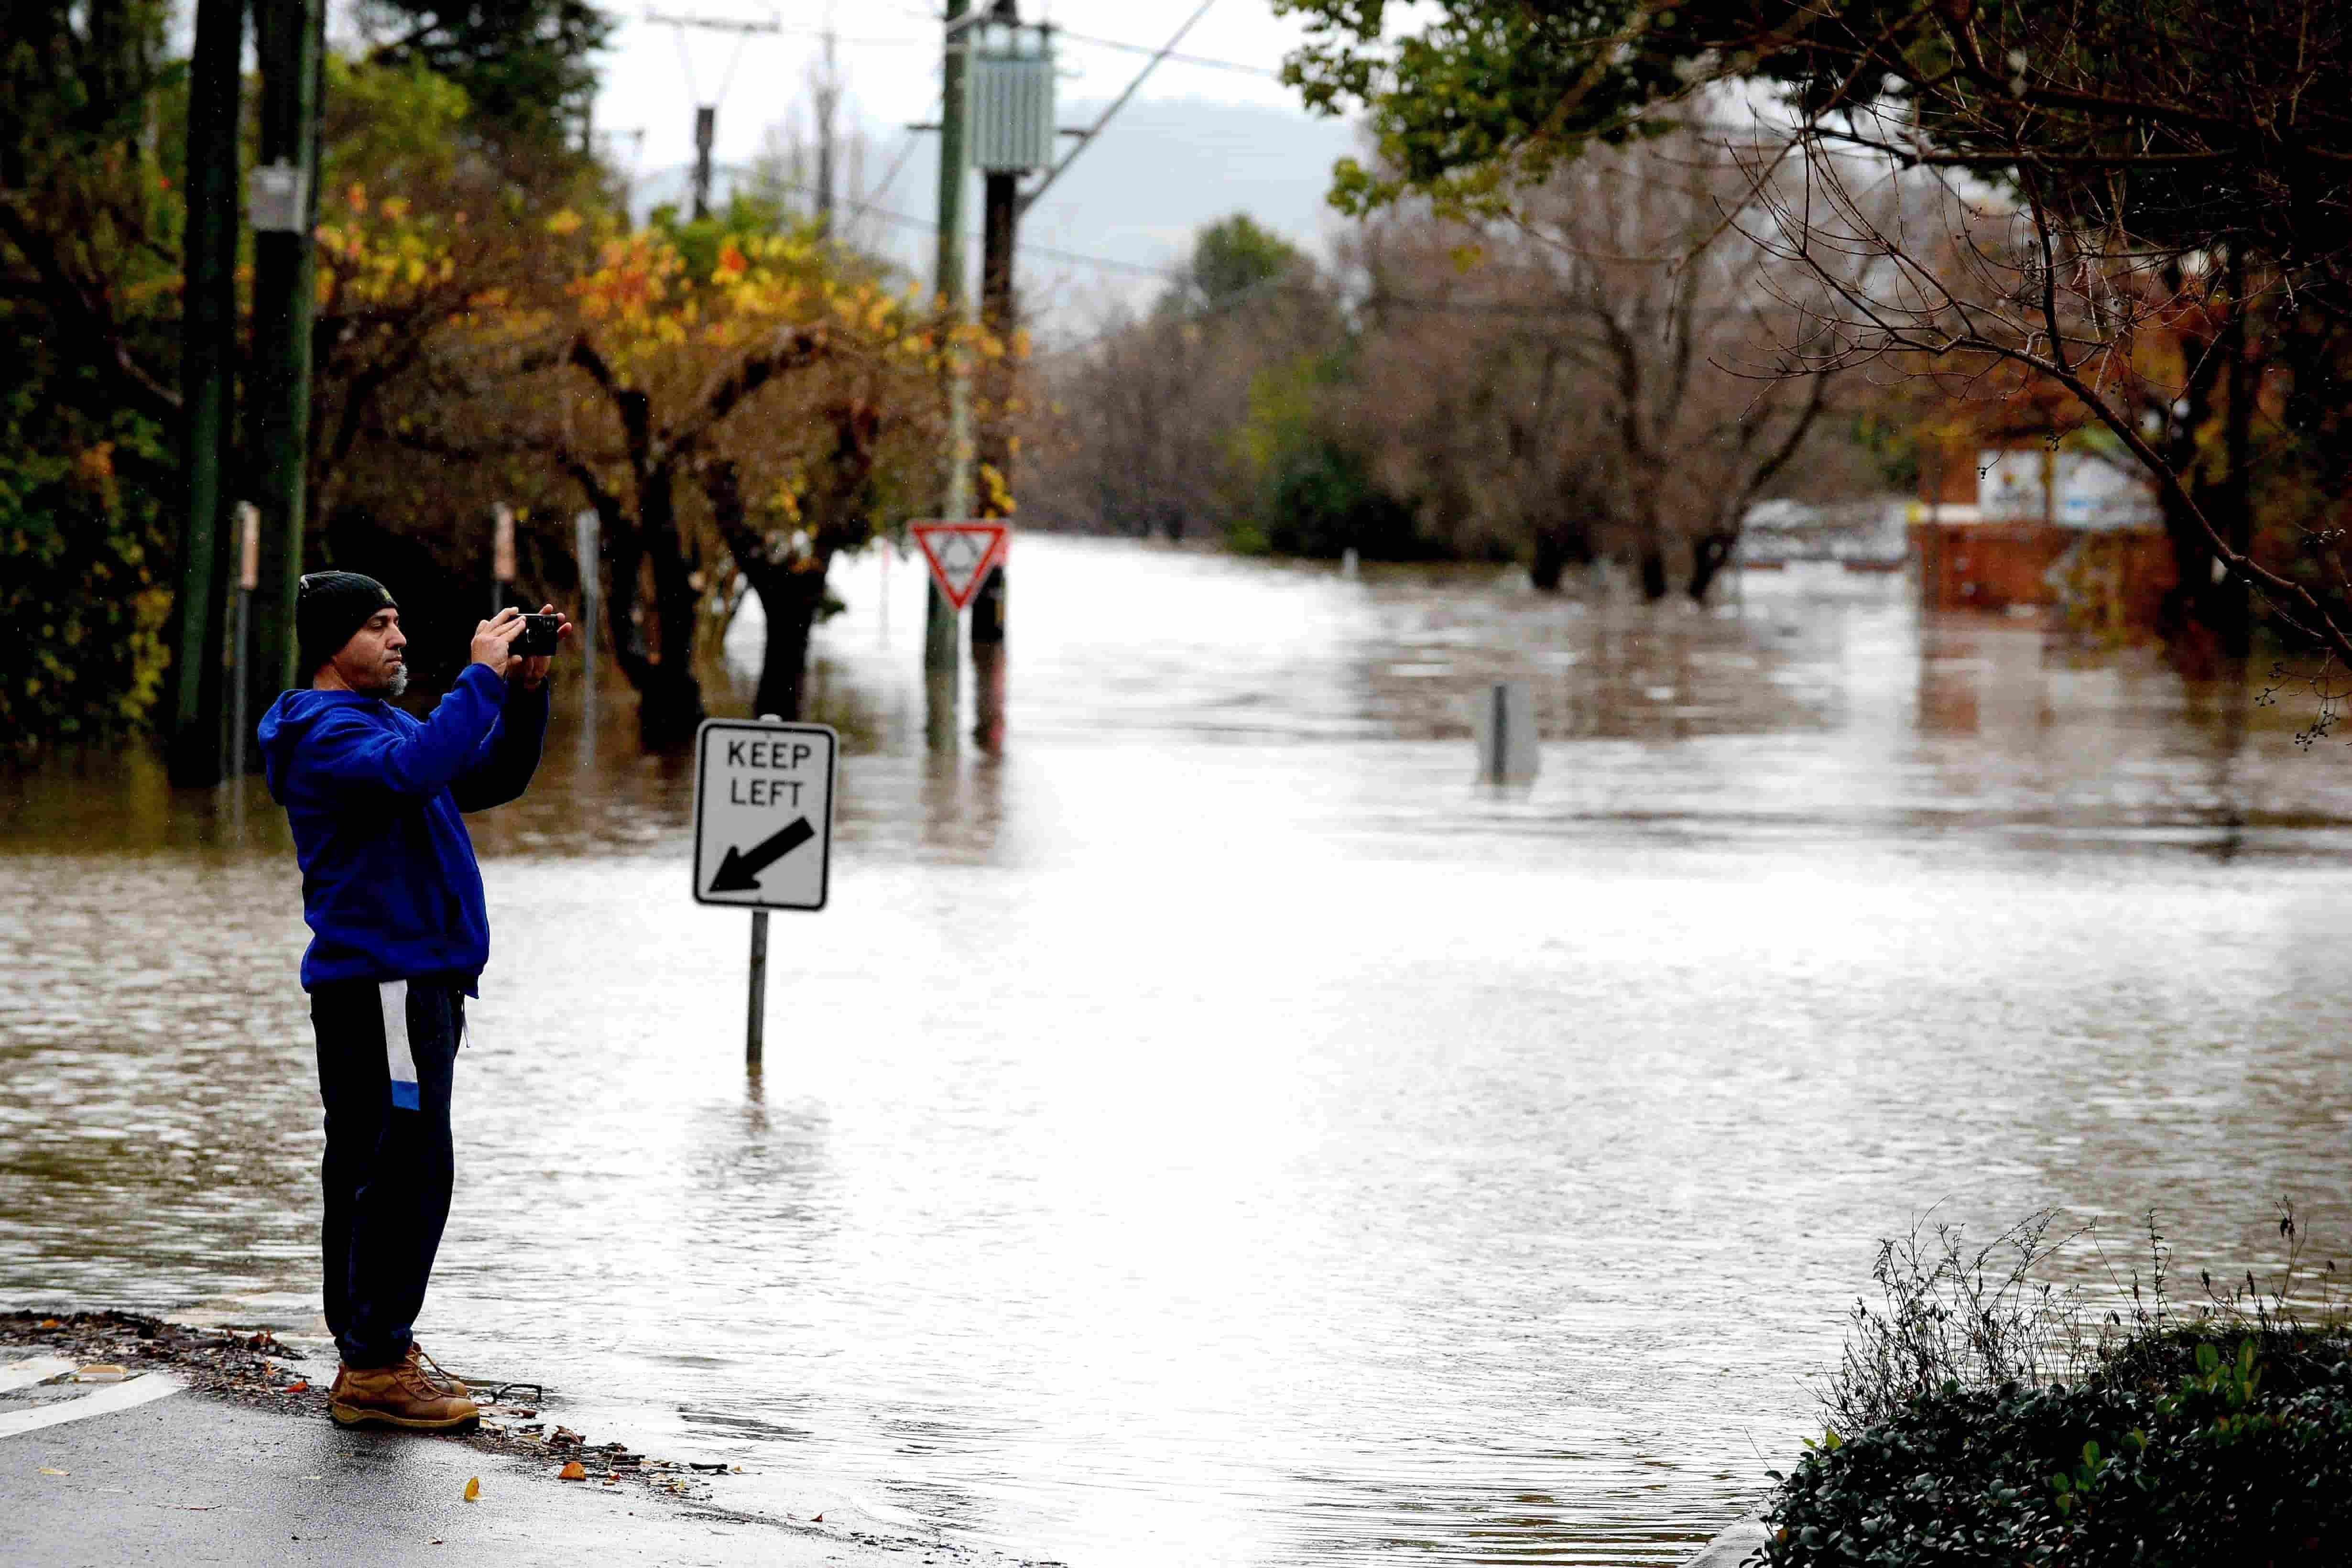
(739, 872)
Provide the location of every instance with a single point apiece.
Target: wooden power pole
(291, 40)
(208, 391)
(939, 661)
(999, 215)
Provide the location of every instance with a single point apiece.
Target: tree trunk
(1559, 546)
(791, 600)
(2187, 618)
(670, 700)
(1710, 553)
(1654, 569)
(2233, 604)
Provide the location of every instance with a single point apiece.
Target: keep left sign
(763, 814)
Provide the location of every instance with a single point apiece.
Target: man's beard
(399, 681)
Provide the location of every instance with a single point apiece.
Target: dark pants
(385, 1056)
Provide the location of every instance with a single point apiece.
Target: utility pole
(939, 662)
(706, 130)
(291, 44)
(828, 99)
(1000, 214)
(706, 115)
(207, 389)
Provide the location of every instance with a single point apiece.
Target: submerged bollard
(1348, 561)
(1506, 728)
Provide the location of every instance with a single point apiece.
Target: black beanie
(328, 609)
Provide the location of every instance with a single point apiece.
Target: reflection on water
(1219, 1130)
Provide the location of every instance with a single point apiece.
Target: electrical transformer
(1010, 87)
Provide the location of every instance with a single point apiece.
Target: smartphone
(537, 638)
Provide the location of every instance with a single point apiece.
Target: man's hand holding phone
(510, 643)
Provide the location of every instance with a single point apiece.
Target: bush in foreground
(1992, 1419)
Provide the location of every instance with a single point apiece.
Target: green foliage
(1489, 96)
(1893, 448)
(1231, 257)
(2241, 1458)
(525, 66)
(1986, 1417)
(394, 125)
(84, 549)
(87, 328)
(1311, 494)
(699, 240)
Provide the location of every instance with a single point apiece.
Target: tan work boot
(398, 1395)
(435, 1373)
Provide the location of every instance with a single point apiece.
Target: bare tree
(1609, 369)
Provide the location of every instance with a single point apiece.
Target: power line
(773, 25)
(1101, 43)
(1153, 50)
(907, 220)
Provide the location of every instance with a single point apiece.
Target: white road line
(19, 1374)
(144, 1389)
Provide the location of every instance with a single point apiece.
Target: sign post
(763, 831)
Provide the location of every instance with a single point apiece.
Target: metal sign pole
(755, 1029)
(755, 1040)
(248, 578)
(502, 555)
(587, 546)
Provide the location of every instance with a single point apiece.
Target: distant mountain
(1161, 169)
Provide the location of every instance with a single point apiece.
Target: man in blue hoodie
(399, 938)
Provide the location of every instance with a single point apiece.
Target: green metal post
(208, 390)
(292, 50)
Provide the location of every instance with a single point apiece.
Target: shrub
(1994, 1419)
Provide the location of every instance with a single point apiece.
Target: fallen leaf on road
(46, 1471)
(52, 1324)
(473, 1490)
(299, 1388)
(816, 1519)
(102, 1373)
(574, 1471)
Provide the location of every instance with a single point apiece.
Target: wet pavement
(1220, 1131)
(194, 1478)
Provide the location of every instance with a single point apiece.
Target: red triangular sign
(960, 555)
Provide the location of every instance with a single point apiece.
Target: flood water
(1222, 1132)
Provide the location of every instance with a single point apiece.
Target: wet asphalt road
(194, 1480)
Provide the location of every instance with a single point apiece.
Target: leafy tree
(525, 66)
(2156, 162)
(1233, 258)
(735, 424)
(88, 309)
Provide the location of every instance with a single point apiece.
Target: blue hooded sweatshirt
(389, 889)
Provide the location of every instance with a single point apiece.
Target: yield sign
(961, 554)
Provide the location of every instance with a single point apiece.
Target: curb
(1732, 1547)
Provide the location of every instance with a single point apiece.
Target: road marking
(144, 1389)
(19, 1374)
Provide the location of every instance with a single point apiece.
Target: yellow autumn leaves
(650, 304)
(378, 252)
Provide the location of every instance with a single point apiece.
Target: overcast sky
(655, 73)
(1198, 142)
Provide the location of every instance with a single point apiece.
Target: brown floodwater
(1221, 1131)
